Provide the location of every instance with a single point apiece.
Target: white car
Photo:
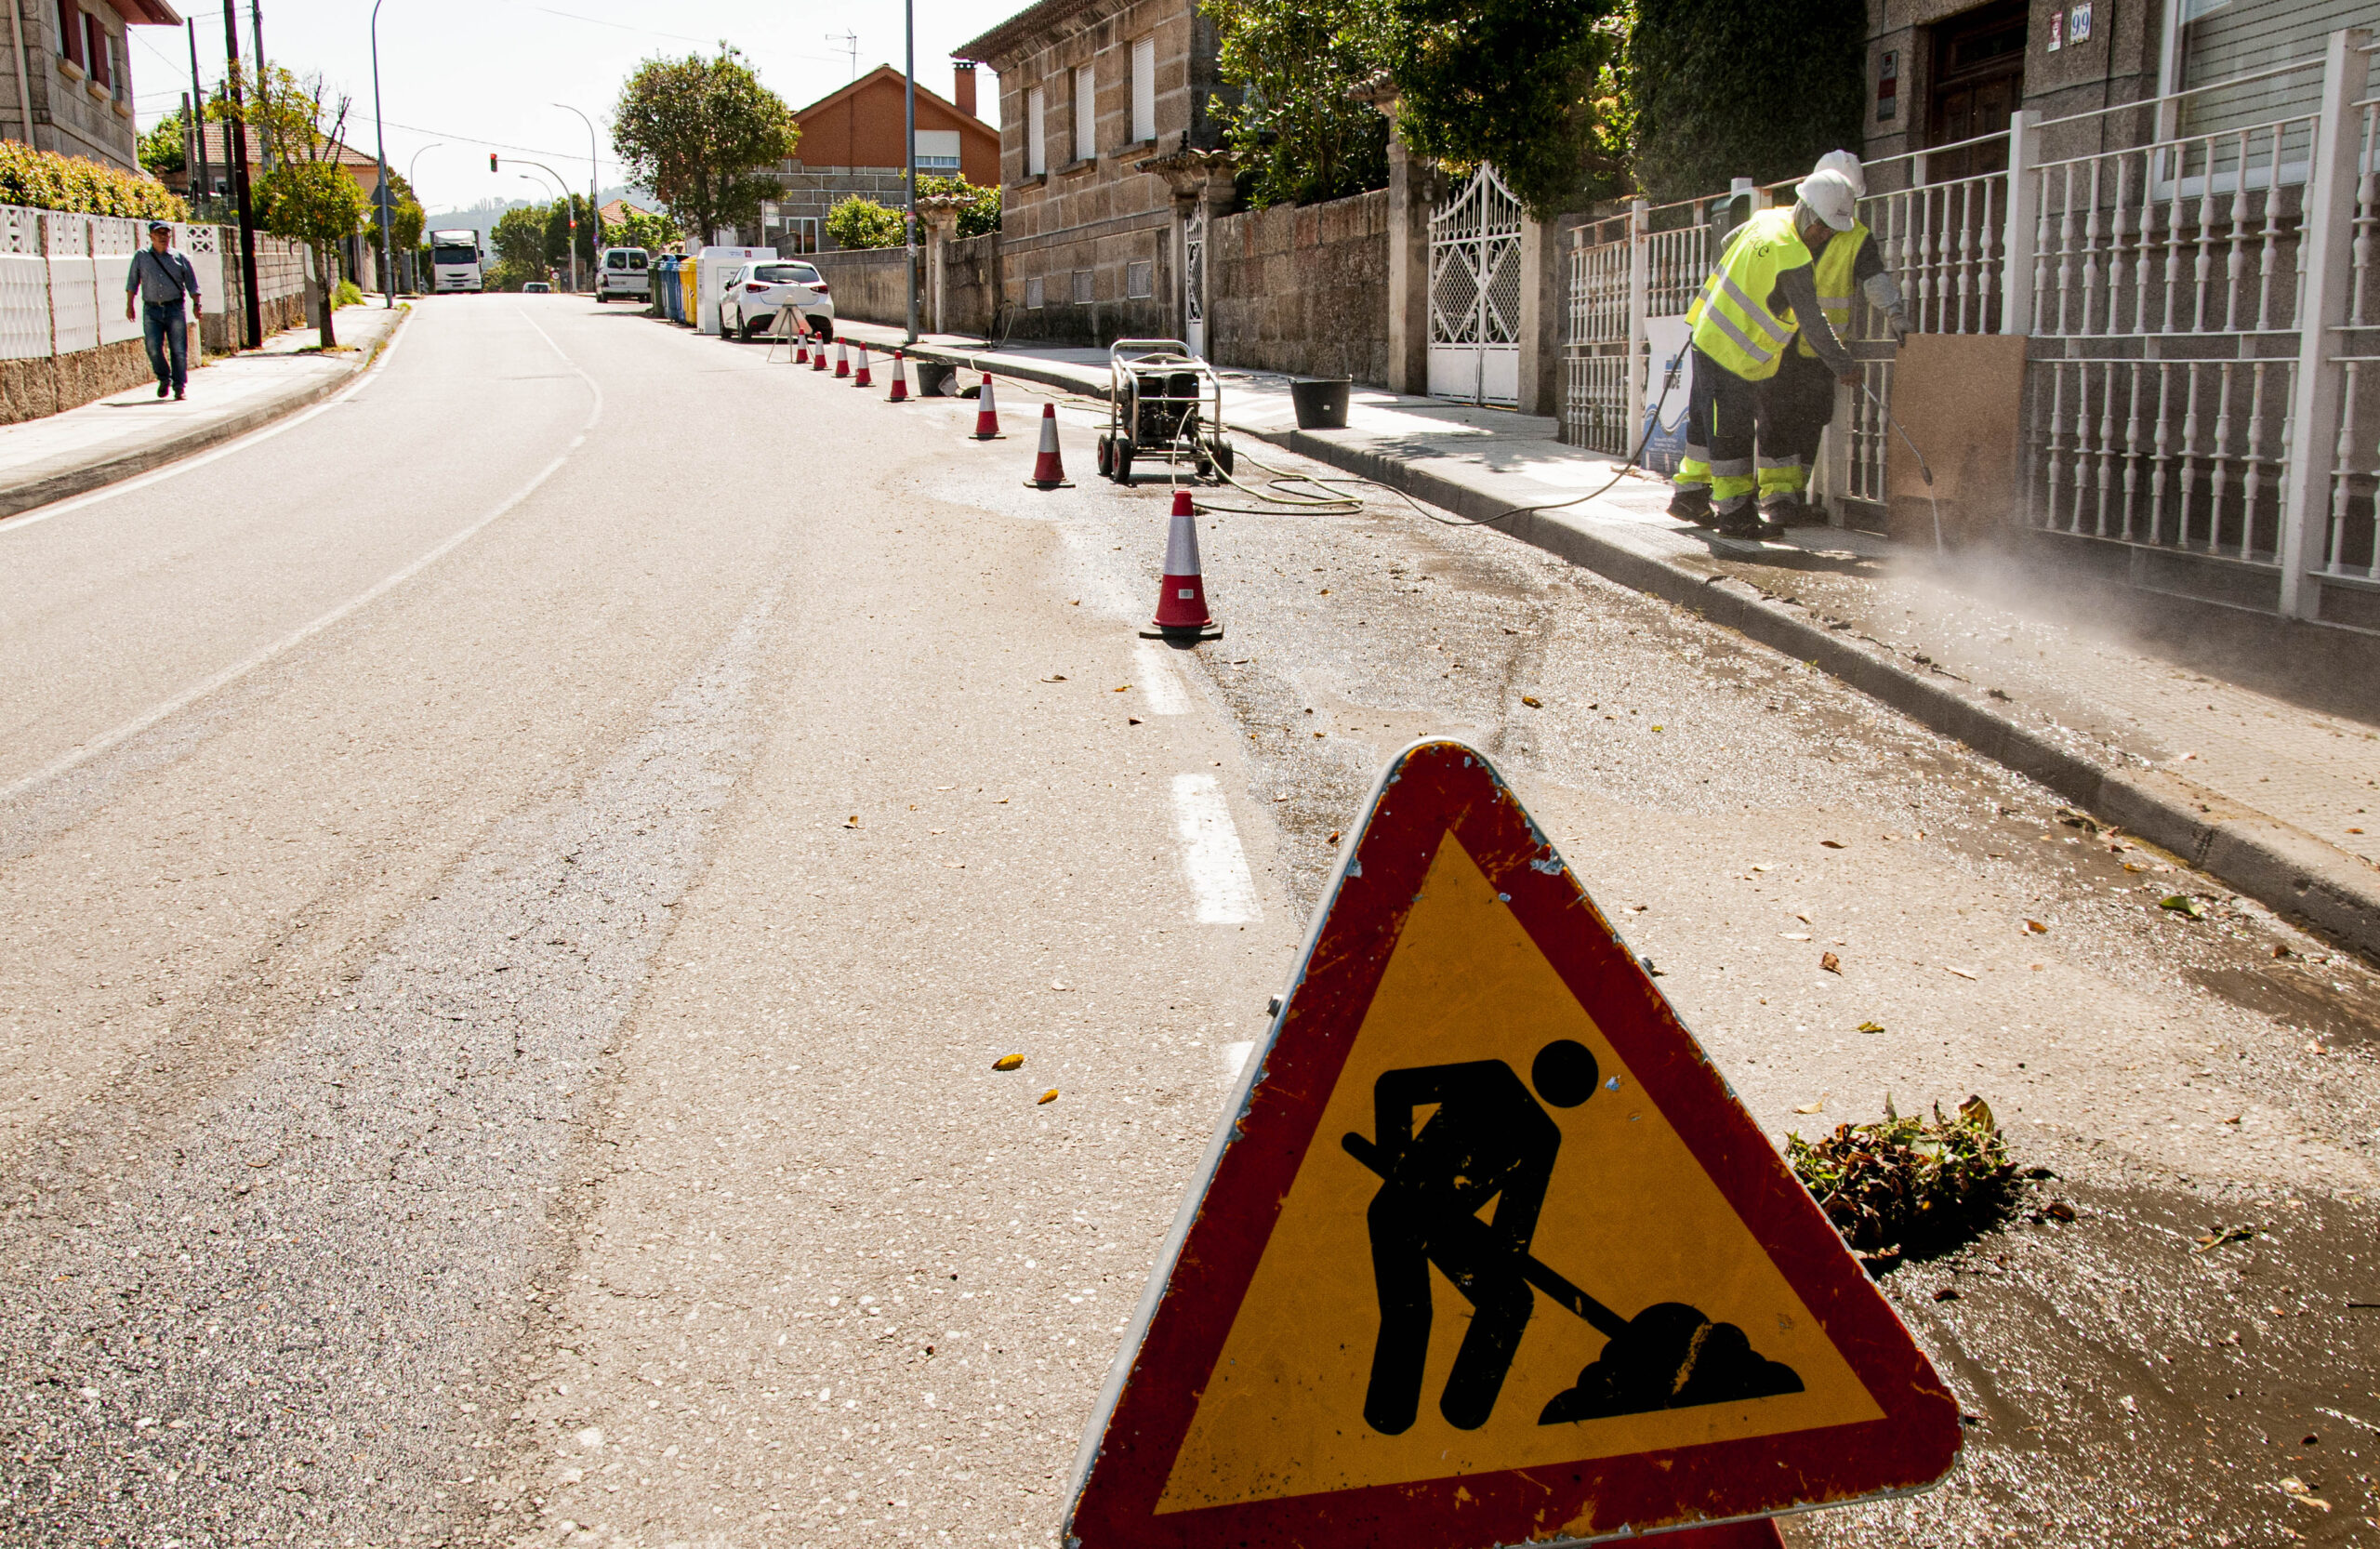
(755, 292)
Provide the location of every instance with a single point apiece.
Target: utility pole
(382, 191)
(205, 188)
(256, 34)
(909, 151)
(562, 186)
(239, 181)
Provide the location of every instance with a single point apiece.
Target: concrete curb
(30, 494)
(2275, 863)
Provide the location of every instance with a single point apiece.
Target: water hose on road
(1923, 471)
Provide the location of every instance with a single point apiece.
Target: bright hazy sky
(478, 75)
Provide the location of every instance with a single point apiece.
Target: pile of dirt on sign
(1908, 1187)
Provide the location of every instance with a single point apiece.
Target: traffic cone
(861, 378)
(842, 360)
(900, 394)
(987, 418)
(801, 350)
(818, 357)
(1048, 471)
(1181, 595)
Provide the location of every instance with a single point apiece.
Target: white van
(623, 271)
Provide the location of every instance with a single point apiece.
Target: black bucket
(938, 379)
(1321, 402)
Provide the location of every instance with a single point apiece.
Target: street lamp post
(380, 140)
(909, 158)
(562, 185)
(592, 173)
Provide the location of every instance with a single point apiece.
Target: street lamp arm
(593, 173)
(380, 155)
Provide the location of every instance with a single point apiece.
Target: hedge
(44, 180)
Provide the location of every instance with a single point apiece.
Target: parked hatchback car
(536, 288)
(757, 291)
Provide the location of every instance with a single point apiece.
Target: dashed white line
(1161, 680)
(1222, 890)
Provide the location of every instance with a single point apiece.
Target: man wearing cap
(1761, 295)
(162, 277)
(1798, 401)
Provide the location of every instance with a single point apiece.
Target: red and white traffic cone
(801, 350)
(1181, 595)
(1049, 472)
(842, 360)
(900, 394)
(818, 357)
(861, 378)
(987, 416)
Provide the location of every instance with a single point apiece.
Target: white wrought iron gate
(1193, 281)
(1475, 293)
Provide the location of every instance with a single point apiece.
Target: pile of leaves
(1907, 1186)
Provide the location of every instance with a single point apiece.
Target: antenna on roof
(849, 44)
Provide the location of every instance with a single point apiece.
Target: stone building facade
(73, 59)
(1106, 169)
(851, 145)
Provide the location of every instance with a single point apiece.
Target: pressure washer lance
(1923, 471)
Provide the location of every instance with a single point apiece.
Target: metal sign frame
(1430, 789)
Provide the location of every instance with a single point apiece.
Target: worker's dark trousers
(1794, 407)
(1722, 419)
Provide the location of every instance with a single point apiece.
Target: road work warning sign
(1488, 1252)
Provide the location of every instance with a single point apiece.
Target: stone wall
(1301, 289)
(869, 285)
(52, 384)
(970, 281)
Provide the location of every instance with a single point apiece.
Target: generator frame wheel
(1107, 457)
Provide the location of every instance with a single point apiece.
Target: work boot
(1692, 503)
(1784, 509)
(1744, 522)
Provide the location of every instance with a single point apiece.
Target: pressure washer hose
(1923, 471)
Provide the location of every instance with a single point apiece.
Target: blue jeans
(166, 328)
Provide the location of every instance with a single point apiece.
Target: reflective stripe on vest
(1730, 319)
(1833, 273)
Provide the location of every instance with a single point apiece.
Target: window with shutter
(1036, 143)
(1086, 115)
(96, 48)
(70, 29)
(2223, 40)
(1145, 89)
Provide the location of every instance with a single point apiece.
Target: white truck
(624, 272)
(455, 263)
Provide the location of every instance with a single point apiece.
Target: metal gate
(1194, 280)
(1475, 293)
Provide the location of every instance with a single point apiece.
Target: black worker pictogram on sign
(1486, 1251)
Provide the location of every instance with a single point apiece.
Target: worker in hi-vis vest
(1760, 299)
(1800, 396)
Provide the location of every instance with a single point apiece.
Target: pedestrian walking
(163, 278)
(1762, 294)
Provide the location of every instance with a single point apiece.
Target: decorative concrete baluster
(2186, 475)
(2091, 249)
(2081, 435)
(1962, 282)
(2065, 245)
(2269, 264)
(2222, 462)
(2252, 485)
(2173, 243)
(2342, 459)
(2056, 427)
(2366, 213)
(2131, 451)
(2040, 251)
(1927, 250)
(2144, 272)
(2163, 460)
(2108, 453)
(2116, 213)
(2205, 273)
(1989, 278)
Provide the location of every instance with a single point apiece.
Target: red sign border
(1429, 789)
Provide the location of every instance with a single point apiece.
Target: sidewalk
(130, 433)
(2280, 800)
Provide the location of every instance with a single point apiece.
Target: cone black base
(1210, 631)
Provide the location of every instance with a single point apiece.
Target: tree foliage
(44, 180)
(296, 121)
(519, 241)
(701, 133)
(857, 222)
(982, 213)
(406, 219)
(166, 148)
(644, 228)
(1300, 136)
(1527, 84)
(1699, 74)
(318, 204)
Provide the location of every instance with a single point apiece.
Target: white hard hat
(1832, 198)
(1849, 165)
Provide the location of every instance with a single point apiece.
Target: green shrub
(348, 295)
(45, 181)
(983, 211)
(858, 222)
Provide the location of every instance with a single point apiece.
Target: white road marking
(1211, 858)
(1161, 680)
(23, 520)
(304, 632)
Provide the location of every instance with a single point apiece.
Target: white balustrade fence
(2351, 543)
(63, 278)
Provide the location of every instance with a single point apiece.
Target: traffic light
(491, 160)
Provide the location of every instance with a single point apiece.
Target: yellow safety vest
(1730, 319)
(1833, 276)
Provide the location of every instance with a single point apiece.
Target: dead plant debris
(1905, 1185)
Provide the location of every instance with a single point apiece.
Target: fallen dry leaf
(1056, 678)
(1048, 1096)
(1334, 837)
(851, 822)
(2183, 904)
(2037, 927)
(1793, 935)
(1008, 1062)
(1818, 1106)
(1831, 844)
(1829, 961)
(1962, 972)
(1871, 1027)
(1122, 688)
(1536, 704)
(1131, 721)
(954, 865)
(1060, 984)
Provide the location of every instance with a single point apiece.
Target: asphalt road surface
(514, 884)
